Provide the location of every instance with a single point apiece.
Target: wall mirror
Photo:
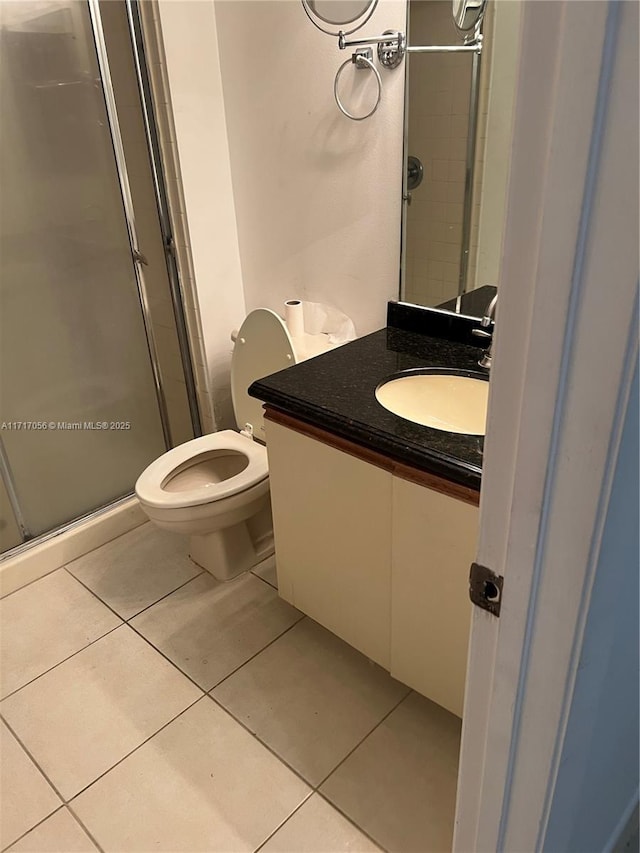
(458, 117)
(339, 16)
(467, 14)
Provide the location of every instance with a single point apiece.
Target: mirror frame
(320, 23)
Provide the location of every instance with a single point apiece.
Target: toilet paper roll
(294, 317)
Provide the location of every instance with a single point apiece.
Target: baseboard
(47, 556)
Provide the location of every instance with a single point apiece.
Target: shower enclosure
(83, 404)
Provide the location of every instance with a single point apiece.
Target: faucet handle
(480, 333)
(489, 313)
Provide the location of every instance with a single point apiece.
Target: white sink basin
(442, 401)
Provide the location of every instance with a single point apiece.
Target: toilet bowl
(215, 489)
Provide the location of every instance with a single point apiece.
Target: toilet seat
(150, 486)
(263, 346)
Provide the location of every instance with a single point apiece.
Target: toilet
(215, 489)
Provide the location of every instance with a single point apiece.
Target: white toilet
(215, 489)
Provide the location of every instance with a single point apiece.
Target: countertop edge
(422, 459)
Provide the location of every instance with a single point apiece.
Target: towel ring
(360, 60)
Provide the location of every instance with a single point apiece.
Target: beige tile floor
(147, 707)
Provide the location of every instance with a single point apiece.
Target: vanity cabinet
(434, 540)
(332, 533)
(379, 559)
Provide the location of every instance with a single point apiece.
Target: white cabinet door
(331, 515)
(434, 541)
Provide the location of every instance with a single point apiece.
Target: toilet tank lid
(263, 346)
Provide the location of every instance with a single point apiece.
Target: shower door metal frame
(136, 31)
(138, 259)
(10, 488)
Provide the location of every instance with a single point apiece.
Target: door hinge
(485, 588)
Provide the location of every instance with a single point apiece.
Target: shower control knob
(415, 172)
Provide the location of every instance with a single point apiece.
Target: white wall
(317, 196)
(283, 196)
(195, 90)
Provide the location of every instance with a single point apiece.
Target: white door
(566, 346)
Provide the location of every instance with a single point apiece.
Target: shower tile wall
(439, 88)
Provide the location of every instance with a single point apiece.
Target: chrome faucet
(487, 320)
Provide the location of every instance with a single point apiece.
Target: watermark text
(63, 426)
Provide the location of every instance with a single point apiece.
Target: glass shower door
(79, 411)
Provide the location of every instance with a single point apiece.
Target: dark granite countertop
(336, 391)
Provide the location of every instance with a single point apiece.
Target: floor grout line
(352, 822)
(66, 802)
(29, 583)
(8, 725)
(135, 749)
(202, 572)
(69, 803)
(162, 654)
(162, 597)
(286, 820)
(312, 789)
(255, 655)
(173, 663)
(204, 692)
(133, 628)
(315, 792)
(264, 580)
(368, 734)
(86, 829)
(35, 825)
(262, 743)
(149, 643)
(60, 662)
(315, 788)
(153, 603)
(64, 565)
(340, 763)
(115, 628)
